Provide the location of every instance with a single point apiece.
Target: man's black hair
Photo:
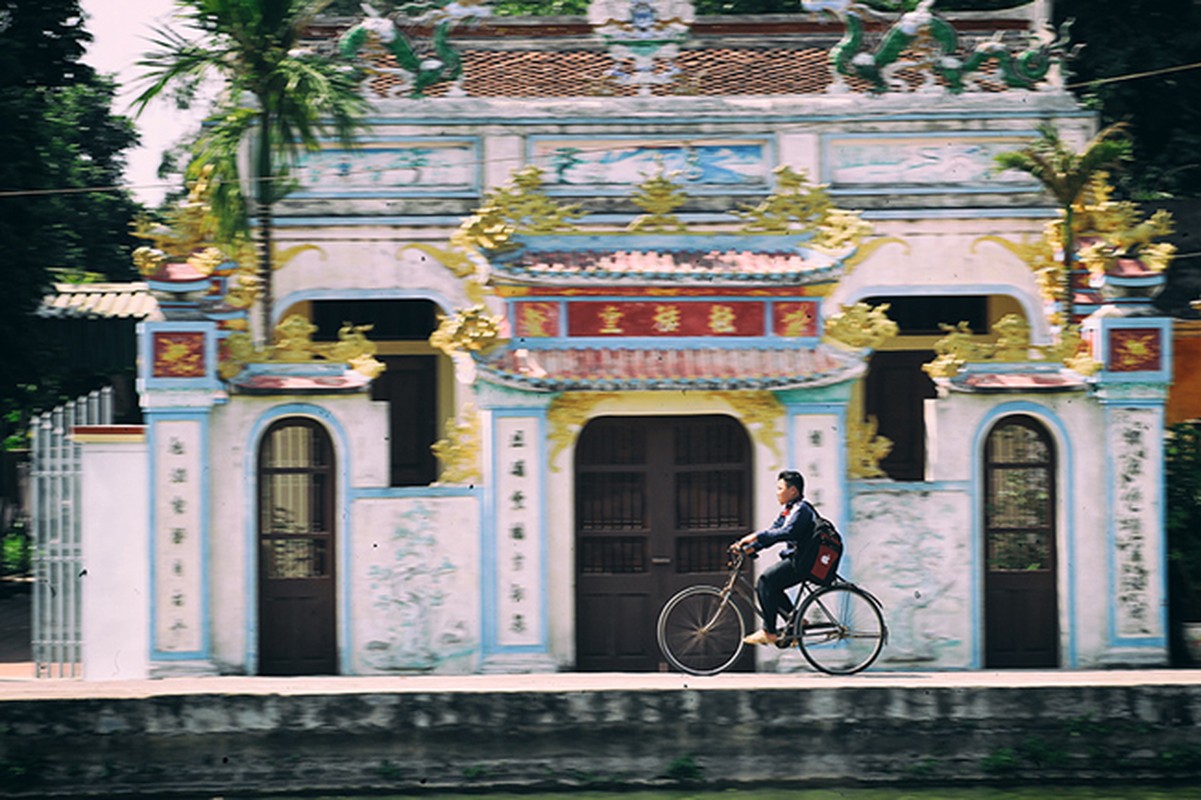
(793, 478)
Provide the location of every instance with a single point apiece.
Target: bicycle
(839, 628)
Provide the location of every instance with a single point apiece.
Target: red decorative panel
(795, 319)
(178, 355)
(1134, 349)
(535, 319)
(668, 318)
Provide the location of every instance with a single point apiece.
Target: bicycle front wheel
(701, 630)
(843, 630)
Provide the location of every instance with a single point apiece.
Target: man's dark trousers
(770, 588)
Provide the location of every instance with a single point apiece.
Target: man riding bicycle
(794, 525)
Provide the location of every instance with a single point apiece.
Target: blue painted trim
(1064, 491)
(1111, 535)
(1034, 212)
(827, 145)
(489, 549)
(282, 304)
(154, 416)
(342, 537)
(146, 331)
(1161, 375)
(861, 190)
(450, 221)
(472, 190)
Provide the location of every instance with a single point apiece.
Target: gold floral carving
(460, 451)
(761, 410)
(960, 347)
(473, 330)
(188, 229)
(866, 449)
(520, 207)
(795, 207)
(283, 256)
(457, 258)
(861, 325)
(566, 417)
(659, 197)
(1105, 231)
(293, 344)
(864, 251)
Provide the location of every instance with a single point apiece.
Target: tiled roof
(704, 72)
(738, 266)
(1040, 381)
(100, 301)
(603, 369)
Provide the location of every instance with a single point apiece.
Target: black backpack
(819, 562)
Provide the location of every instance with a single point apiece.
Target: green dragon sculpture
(922, 31)
(421, 71)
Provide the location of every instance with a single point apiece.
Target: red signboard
(1134, 349)
(666, 318)
(178, 355)
(795, 319)
(532, 320)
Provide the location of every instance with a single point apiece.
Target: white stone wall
(415, 578)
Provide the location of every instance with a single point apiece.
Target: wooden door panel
(657, 502)
(297, 621)
(1021, 616)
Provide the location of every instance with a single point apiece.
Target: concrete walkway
(28, 688)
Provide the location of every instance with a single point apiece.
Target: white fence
(54, 513)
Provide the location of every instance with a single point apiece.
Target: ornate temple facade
(545, 339)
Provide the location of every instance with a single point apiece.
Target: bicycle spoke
(845, 630)
(700, 632)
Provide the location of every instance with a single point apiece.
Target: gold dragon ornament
(471, 330)
(960, 347)
(860, 325)
(293, 344)
(460, 451)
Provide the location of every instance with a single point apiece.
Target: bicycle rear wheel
(701, 630)
(843, 630)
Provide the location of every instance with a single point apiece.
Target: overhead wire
(9, 193)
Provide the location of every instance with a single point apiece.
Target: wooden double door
(658, 501)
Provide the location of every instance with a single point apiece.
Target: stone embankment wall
(207, 744)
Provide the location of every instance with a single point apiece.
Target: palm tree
(288, 98)
(1066, 173)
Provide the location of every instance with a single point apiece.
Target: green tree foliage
(1065, 173)
(1126, 37)
(274, 91)
(60, 143)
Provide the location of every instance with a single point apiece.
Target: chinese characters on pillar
(816, 440)
(1135, 511)
(518, 532)
(177, 479)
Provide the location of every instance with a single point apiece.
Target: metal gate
(54, 515)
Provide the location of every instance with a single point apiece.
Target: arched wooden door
(658, 501)
(1021, 611)
(296, 550)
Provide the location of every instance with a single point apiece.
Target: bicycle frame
(737, 583)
